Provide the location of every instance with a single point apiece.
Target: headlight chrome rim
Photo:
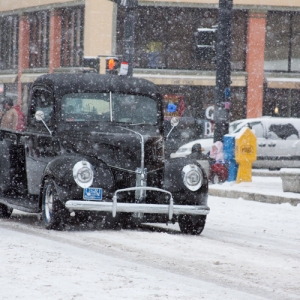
(192, 177)
(83, 174)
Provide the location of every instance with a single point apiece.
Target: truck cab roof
(90, 82)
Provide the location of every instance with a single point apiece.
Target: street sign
(124, 68)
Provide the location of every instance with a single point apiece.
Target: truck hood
(117, 146)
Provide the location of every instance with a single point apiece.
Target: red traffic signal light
(112, 65)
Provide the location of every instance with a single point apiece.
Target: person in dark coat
(200, 157)
(197, 152)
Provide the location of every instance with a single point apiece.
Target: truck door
(40, 147)
(12, 164)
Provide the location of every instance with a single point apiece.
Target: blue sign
(227, 93)
(92, 194)
(171, 108)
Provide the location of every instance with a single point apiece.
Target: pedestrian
(21, 118)
(216, 152)
(10, 117)
(197, 152)
(201, 158)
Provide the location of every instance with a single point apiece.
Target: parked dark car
(94, 146)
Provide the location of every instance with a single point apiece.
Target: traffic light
(112, 65)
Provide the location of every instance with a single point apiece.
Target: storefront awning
(8, 78)
(201, 80)
(283, 83)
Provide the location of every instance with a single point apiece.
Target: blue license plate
(92, 194)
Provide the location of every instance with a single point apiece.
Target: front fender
(173, 180)
(61, 171)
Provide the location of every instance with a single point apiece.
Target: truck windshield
(106, 107)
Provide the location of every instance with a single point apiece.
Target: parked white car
(186, 149)
(278, 141)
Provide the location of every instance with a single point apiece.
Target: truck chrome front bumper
(115, 207)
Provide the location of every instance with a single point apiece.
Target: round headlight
(192, 177)
(83, 174)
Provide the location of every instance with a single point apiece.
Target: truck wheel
(191, 224)
(5, 211)
(53, 212)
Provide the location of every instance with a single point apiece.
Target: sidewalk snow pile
(262, 189)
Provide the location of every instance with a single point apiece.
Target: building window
(170, 43)
(282, 103)
(72, 37)
(39, 39)
(198, 98)
(9, 33)
(282, 42)
(295, 42)
(11, 90)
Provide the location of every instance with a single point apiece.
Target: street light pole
(223, 70)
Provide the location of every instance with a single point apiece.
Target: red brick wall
(255, 63)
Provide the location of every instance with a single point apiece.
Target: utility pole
(129, 34)
(223, 70)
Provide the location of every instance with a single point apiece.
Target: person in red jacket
(21, 118)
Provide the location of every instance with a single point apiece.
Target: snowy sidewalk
(262, 188)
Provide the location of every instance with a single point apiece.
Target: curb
(253, 196)
(256, 172)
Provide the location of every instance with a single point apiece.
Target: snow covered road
(248, 250)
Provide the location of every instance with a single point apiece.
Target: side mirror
(39, 115)
(174, 122)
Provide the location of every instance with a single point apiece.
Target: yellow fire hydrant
(245, 154)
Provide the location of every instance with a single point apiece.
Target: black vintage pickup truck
(94, 146)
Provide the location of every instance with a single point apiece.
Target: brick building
(46, 36)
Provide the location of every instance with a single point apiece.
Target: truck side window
(42, 100)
